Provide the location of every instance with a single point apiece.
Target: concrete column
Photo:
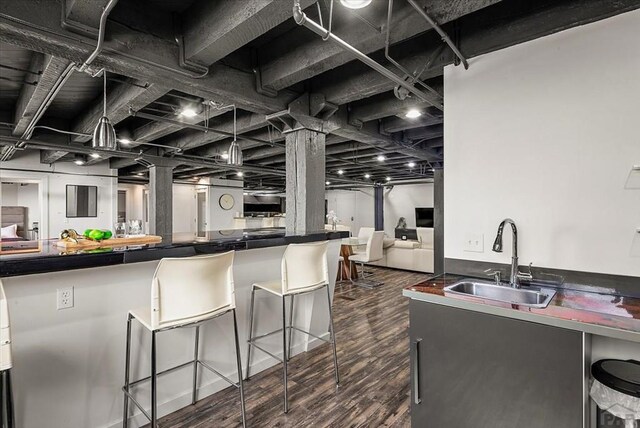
(161, 202)
(305, 181)
(438, 221)
(378, 204)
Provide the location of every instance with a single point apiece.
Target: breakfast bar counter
(78, 352)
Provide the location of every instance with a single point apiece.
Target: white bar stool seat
(372, 253)
(185, 292)
(304, 269)
(6, 363)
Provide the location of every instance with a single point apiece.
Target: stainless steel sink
(530, 296)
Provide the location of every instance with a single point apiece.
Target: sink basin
(528, 296)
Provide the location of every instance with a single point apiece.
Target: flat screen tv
(424, 217)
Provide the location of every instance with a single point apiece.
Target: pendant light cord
(104, 96)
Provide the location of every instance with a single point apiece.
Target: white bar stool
(373, 252)
(185, 292)
(6, 394)
(304, 270)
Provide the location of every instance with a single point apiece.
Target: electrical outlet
(474, 242)
(65, 298)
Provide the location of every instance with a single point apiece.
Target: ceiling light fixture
(188, 112)
(388, 178)
(95, 155)
(234, 152)
(340, 172)
(240, 174)
(413, 113)
(124, 140)
(79, 160)
(327, 182)
(381, 158)
(411, 164)
(225, 155)
(104, 135)
(367, 176)
(139, 174)
(355, 4)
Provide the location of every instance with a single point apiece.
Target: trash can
(616, 391)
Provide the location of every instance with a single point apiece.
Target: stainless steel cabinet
(474, 370)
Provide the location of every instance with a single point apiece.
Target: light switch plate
(474, 242)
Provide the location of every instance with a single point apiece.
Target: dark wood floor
(371, 330)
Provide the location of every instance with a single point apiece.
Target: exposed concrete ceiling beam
(133, 54)
(421, 133)
(31, 97)
(487, 30)
(214, 29)
(83, 15)
(394, 124)
(282, 66)
(51, 156)
(134, 94)
(384, 105)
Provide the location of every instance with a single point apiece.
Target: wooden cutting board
(112, 242)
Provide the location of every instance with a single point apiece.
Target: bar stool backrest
(5, 333)
(191, 289)
(304, 267)
(365, 232)
(374, 246)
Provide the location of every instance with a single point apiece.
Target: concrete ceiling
(257, 58)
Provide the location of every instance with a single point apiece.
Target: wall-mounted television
(424, 217)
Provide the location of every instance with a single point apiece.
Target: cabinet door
(474, 370)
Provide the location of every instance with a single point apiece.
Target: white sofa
(410, 254)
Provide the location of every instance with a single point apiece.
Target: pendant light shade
(104, 136)
(235, 154)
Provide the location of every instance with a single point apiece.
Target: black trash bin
(616, 391)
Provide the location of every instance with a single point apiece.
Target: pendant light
(235, 153)
(104, 136)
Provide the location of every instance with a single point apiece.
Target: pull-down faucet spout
(497, 247)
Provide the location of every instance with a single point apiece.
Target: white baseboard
(183, 399)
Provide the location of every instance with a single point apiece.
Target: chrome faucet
(514, 281)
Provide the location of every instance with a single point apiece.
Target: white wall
(546, 133)
(354, 208)
(401, 201)
(52, 182)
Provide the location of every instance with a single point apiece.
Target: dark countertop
(610, 315)
(44, 257)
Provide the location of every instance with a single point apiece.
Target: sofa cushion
(406, 244)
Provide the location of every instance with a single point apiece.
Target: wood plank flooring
(372, 340)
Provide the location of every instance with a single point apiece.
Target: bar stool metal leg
(6, 399)
(195, 366)
(127, 363)
(240, 386)
(154, 383)
(253, 296)
(284, 354)
(333, 337)
(291, 306)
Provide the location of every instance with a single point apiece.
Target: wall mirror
(82, 201)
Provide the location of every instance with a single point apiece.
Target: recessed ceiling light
(411, 164)
(94, 155)
(355, 4)
(340, 172)
(240, 174)
(433, 170)
(78, 162)
(367, 176)
(413, 113)
(188, 112)
(245, 193)
(125, 141)
(381, 158)
(225, 155)
(139, 174)
(388, 178)
(327, 182)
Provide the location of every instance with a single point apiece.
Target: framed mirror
(82, 201)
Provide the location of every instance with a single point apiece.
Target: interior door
(201, 210)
